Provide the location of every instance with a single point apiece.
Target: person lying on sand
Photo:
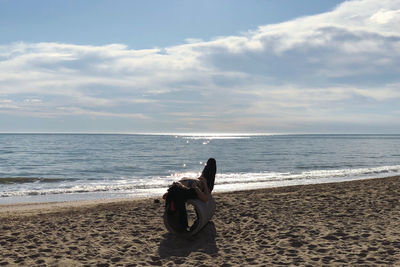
(190, 188)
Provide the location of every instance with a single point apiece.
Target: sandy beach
(350, 223)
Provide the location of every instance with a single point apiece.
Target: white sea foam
(224, 181)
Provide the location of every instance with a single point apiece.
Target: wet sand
(350, 223)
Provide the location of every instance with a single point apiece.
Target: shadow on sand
(204, 241)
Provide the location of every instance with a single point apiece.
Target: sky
(254, 66)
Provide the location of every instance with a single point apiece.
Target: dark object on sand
(204, 212)
(179, 197)
(175, 200)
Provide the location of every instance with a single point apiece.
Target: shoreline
(346, 223)
(112, 196)
(76, 203)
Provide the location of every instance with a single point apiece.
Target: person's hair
(209, 172)
(179, 194)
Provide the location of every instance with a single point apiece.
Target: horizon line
(197, 133)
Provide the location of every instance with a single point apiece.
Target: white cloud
(385, 16)
(33, 100)
(278, 75)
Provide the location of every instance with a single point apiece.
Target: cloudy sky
(200, 66)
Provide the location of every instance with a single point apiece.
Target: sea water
(59, 167)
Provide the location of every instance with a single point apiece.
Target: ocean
(68, 167)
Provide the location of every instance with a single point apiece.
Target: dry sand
(351, 223)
